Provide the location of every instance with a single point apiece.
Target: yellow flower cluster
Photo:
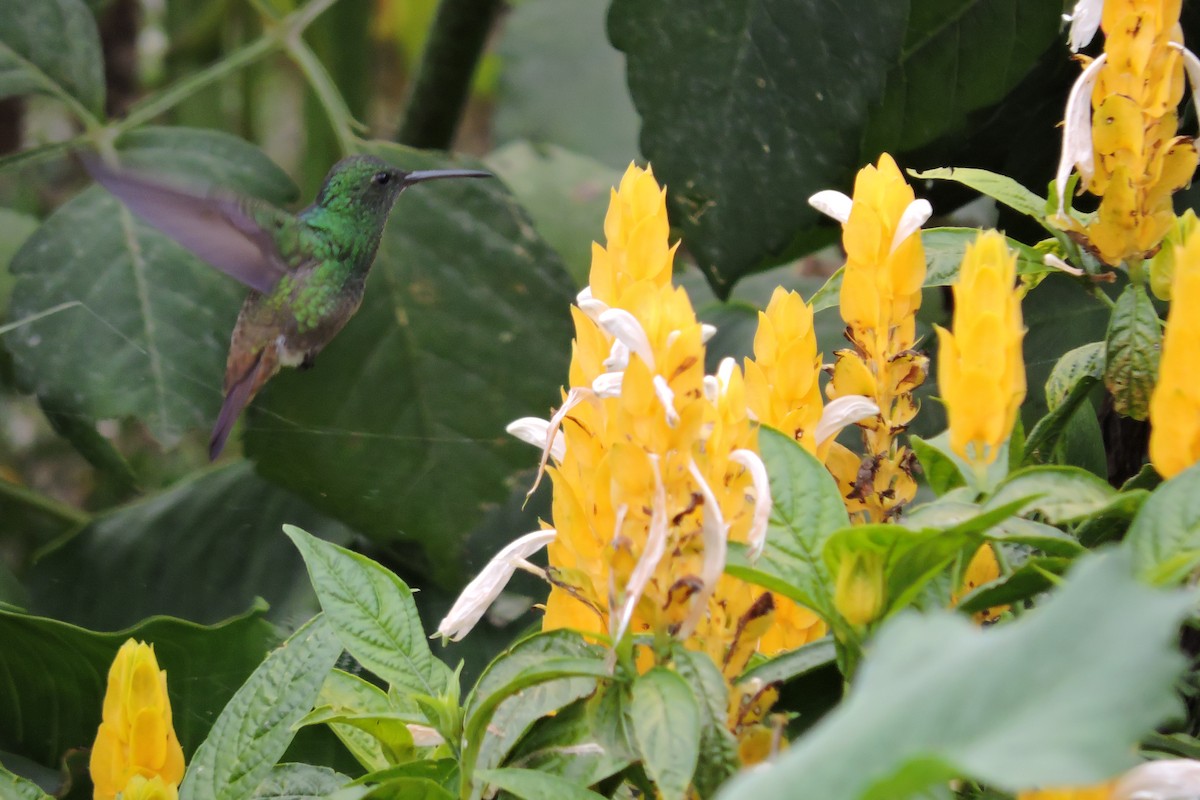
(1175, 403)
(981, 371)
(655, 474)
(1138, 160)
(880, 295)
(136, 753)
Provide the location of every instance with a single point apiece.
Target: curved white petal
(914, 216)
(1192, 65)
(589, 305)
(536, 431)
(715, 534)
(712, 388)
(725, 372)
(707, 332)
(618, 357)
(832, 203)
(757, 538)
(841, 412)
(608, 384)
(620, 324)
(480, 593)
(1052, 260)
(1077, 132)
(662, 391)
(1085, 21)
(656, 545)
(574, 397)
(1169, 779)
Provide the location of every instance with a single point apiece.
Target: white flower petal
(608, 384)
(707, 332)
(841, 412)
(725, 372)
(715, 534)
(667, 397)
(1192, 65)
(757, 537)
(1085, 21)
(589, 305)
(712, 388)
(535, 431)
(574, 397)
(1052, 260)
(914, 216)
(1169, 779)
(619, 323)
(832, 203)
(618, 357)
(424, 736)
(471, 605)
(656, 545)
(1077, 132)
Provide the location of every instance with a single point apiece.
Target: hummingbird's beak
(437, 174)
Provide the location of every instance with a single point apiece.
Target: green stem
(1136, 274)
(443, 82)
(340, 118)
(44, 504)
(1006, 571)
(1103, 298)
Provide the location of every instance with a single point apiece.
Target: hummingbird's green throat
(306, 271)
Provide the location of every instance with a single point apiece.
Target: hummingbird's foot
(310, 361)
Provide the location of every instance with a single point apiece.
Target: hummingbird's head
(366, 184)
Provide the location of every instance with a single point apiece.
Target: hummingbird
(306, 271)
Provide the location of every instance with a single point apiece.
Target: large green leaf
(299, 782)
(1044, 700)
(534, 785)
(149, 334)
(958, 56)
(718, 748)
(373, 613)
(1165, 534)
(55, 676)
(399, 429)
(202, 550)
(750, 106)
(257, 725)
(53, 47)
(1131, 352)
(666, 726)
(14, 787)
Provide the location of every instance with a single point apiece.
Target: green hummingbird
(306, 271)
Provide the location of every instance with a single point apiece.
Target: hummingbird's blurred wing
(215, 226)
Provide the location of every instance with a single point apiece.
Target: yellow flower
(1162, 266)
(1100, 792)
(1126, 150)
(860, 590)
(981, 371)
(136, 737)
(1175, 403)
(982, 568)
(140, 788)
(880, 295)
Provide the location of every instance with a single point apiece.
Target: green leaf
(807, 508)
(718, 759)
(562, 84)
(1050, 700)
(1061, 494)
(1038, 574)
(43, 658)
(1131, 354)
(52, 47)
(1052, 428)
(584, 742)
(565, 193)
(531, 784)
(1165, 535)
(175, 547)
(998, 187)
(942, 469)
(794, 664)
(149, 336)
(399, 429)
(1085, 361)
(346, 693)
(13, 787)
(1113, 520)
(256, 726)
(299, 782)
(514, 715)
(958, 56)
(666, 727)
(373, 613)
(727, 98)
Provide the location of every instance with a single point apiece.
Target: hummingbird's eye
(381, 178)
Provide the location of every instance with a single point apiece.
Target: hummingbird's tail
(240, 387)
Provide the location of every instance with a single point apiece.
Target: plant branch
(443, 82)
(326, 91)
(44, 504)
